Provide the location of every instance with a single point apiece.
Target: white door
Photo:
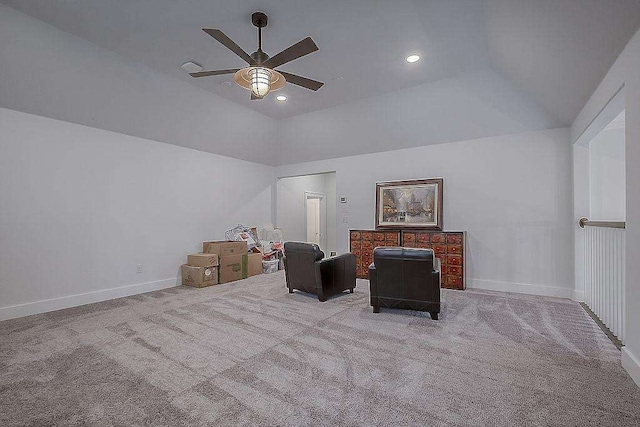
(313, 221)
(316, 218)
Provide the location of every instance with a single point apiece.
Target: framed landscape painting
(409, 204)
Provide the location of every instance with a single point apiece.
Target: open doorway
(316, 213)
(306, 209)
(607, 180)
(599, 159)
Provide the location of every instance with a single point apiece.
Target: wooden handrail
(585, 222)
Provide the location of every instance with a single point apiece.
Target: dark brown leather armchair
(405, 278)
(306, 270)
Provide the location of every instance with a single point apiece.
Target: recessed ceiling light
(413, 58)
(281, 98)
(191, 67)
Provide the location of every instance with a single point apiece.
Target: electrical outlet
(139, 268)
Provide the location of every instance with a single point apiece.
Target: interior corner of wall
(578, 295)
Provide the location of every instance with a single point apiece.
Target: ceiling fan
(260, 77)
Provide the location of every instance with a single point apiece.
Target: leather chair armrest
(286, 271)
(333, 259)
(437, 275)
(325, 272)
(438, 269)
(373, 279)
(349, 259)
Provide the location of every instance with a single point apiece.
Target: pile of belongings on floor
(268, 243)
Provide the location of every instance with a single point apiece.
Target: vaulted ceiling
(554, 52)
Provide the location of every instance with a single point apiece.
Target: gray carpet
(248, 353)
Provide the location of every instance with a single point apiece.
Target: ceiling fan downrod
(259, 20)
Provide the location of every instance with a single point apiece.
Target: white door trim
(323, 215)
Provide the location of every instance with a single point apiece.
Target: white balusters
(604, 275)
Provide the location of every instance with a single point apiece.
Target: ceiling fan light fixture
(259, 80)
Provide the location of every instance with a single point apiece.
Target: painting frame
(424, 196)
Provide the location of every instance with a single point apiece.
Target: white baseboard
(520, 288)
(578, 296)
(59, 303)
(631, 364)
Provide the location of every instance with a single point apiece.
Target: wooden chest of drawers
(362, 242)
(448, 246)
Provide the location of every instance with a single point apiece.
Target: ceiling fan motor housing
(259, 56)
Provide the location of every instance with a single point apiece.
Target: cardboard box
(224, 248)
(202, 260)
(254, 264)
(199, 277)
(232, 267)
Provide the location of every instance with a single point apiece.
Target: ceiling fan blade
(302, 81)
(302, 48)
(229, 44)
(213, 73)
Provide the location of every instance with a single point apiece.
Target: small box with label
(199, 277)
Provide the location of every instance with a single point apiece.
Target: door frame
(323, 215)
(581, 184)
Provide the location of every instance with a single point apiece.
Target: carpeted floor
(248, 353)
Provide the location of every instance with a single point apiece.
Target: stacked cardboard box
(220, 262)
(243, 233)
(201, 270)
(233, 259)
(254, 266)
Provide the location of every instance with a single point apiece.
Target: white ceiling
(558, 51)
(554, 51)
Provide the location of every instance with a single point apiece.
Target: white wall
(81, 207)
(511, 194)
(290, 206)
(51, 73)
(332, 202)
(607, 176)
(624, 74)
(580, 209)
